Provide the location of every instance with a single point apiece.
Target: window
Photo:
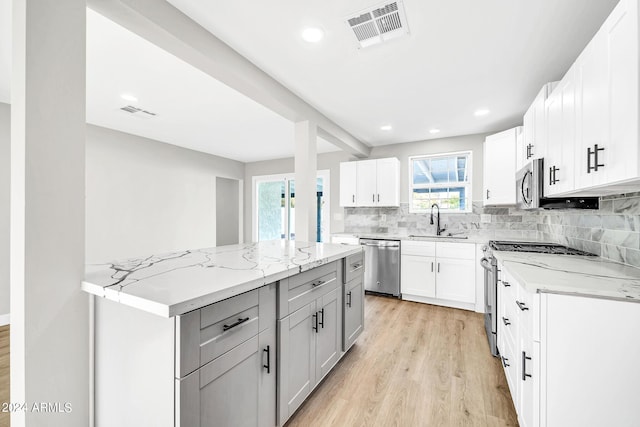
(444, 179)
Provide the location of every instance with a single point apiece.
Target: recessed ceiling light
(385, 127)
(312, 34)
(128, 97)
(479, 113)
(434, 131)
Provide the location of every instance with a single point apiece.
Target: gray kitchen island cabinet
(191, 338)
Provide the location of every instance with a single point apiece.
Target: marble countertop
(573, 275)
(175, 283)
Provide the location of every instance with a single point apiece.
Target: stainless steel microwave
(530, 191)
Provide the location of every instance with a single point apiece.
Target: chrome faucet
(438, 229)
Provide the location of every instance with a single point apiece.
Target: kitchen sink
(442, 236)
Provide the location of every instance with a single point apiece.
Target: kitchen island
(202, 337)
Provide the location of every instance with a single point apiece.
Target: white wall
(5, 172)
(144, 196)
(332, 162)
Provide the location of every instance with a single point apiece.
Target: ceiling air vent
(138, 112)
(380, 23)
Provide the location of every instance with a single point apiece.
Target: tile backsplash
(613, 231)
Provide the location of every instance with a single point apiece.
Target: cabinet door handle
(438, 267)
(322, 321)
(505, 283)
(355, 267)
(315, 320)
(487, 194)
(522, 305)
(373, 198)
(504, 361)
(349, 299)
(378, 198)
(233, 325)
(353, 198)
(318, 283)
(506, 321)
(524, 366)
(596, 165)
(432, 266)
(268, 365)
(550, 176)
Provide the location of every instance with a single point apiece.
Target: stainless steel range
(490, 266)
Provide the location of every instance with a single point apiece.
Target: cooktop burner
(537, 247)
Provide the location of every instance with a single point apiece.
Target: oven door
(490, 267)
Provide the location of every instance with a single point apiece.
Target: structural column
(306, 137)
(49, 313)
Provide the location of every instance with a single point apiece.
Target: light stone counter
(175, 283)
(425, 238)
(574, 275)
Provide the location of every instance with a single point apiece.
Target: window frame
(468, 185)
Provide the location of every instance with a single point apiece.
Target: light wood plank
(4, 373)
(414, 365)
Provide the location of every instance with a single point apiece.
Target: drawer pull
(318, 283)
(506, 321)
(522, 305)
(322, 321)
(239, 322)
(355, 266)
(524, 366)
(315, 320)
(504, 361)
(505, 283)
(268, 365)
(349, 299)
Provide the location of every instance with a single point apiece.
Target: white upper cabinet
(607, 153)
(535, 126)
(370, 183)
(561, 137)
(499, 171)
(348, 186)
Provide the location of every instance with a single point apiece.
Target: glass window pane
(270, 210)
(451, 180)
(422, 171)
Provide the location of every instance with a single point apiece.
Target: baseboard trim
(5, 319)
(442, 302)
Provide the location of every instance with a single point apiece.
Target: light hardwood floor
(4, 373)
(414, 365)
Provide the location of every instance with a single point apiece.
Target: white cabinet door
(348, 184)
(553, 159)
(529, 378)
(417, 276)
(366, 182)
(388, 182)
(520, 151)
(500, 168)
(592, 110)
(528, 134)
(455, 279)
(298, 354)
(328, 332)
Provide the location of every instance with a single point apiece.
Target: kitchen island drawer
(297, 291)
(203, 335)
(354, 266)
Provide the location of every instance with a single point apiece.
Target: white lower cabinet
(569, 360)
(442, 273)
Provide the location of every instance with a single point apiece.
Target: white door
(500, 168)
(553, 159)
(417, 276)
(366, 183)
(348, 186)
(387, 182)
(455, 279)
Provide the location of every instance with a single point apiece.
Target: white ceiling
(461, 55)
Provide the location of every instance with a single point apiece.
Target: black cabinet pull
(555, 180)
(378, 198)
(349, 299)
(504, 361)
(268, 365)
(239, 322)
(315, 320)
(596, 165)
(529, 152)
(355, 267)
(322, 321)
(373, 198)
(487, 194)
(432, 266)
(353, 198)
(506, 321)
(438, 267)
(318, 283)
(522, 305)
(505, 283)
(524, 366)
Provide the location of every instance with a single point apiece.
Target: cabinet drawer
(412, 247)
(354, 266)
(301, 289)
(204, 334)
(456, 250)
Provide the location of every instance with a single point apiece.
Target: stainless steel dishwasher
(382, 266)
